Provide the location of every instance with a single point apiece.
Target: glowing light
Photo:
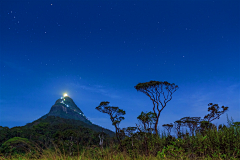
(65, 94)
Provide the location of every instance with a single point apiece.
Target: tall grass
(212, 144)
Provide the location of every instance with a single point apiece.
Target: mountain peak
(65, 107)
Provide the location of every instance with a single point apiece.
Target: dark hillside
(54, 121)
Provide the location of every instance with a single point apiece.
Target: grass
(214, 144)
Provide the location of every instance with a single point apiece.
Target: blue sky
(99, 50)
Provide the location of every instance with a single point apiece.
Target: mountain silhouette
(66, 108)
(65, 111)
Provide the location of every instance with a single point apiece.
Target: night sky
(99, 50)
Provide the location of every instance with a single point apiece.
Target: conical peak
(69, 103)
(66, 108)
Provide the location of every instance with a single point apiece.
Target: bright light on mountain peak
(65, 94)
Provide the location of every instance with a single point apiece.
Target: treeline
(70, 137)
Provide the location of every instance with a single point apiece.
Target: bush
(17, 146)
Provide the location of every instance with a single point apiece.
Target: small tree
(214, 111)
(146, 119)
(151, 87)
(168, 127)
(191, 122)
(205, 123)
(177, 127)
(115, 116)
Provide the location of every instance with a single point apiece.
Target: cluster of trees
(152, 118)
(69, 136)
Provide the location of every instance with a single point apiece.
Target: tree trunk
(156, 126)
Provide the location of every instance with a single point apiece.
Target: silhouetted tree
(122, 133)
(214, 112)
(191, 122)
(114, 113)
(130, 131)
(168, 127)
(146, 119)
(205, 123)
(151, 87)
(177, 127)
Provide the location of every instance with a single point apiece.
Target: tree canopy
(151, 88)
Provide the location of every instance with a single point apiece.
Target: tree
(191, 122)
(146, 119)
(177, 127)
(214, 111)
(149, 87)
(130, 131)
(205, 123)
(115, 115)
(168, 127)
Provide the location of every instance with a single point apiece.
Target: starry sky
(99, 50)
